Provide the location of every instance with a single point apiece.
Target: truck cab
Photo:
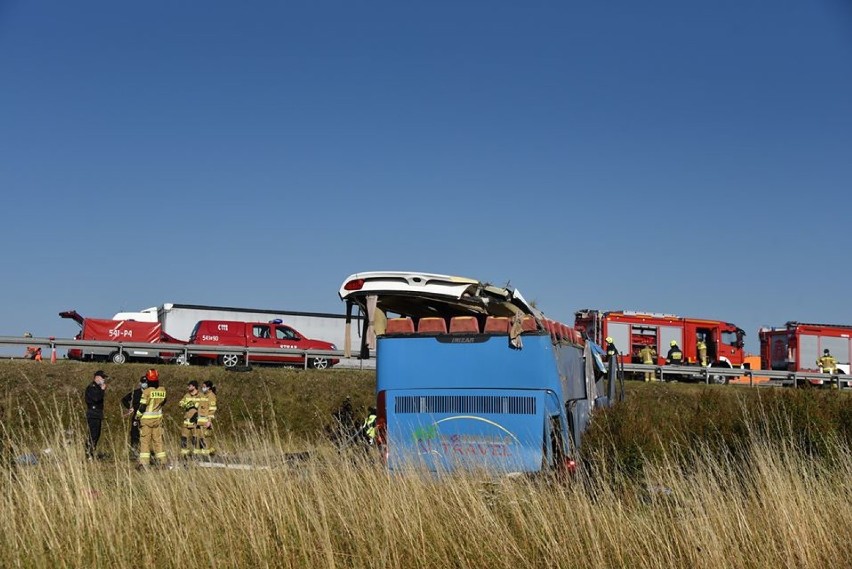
(273, 334)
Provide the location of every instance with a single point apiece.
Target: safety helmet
(152, 375)
(609, 340)
(673, 343)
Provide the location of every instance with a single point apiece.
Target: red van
(272, 334)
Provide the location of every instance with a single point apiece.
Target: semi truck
(797, 346)
(631, 331)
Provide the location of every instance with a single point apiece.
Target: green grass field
(676, 476)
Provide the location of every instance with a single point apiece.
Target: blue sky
(671, 156)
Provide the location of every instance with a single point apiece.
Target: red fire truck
(631, 331)
(796, 346)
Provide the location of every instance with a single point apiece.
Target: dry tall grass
(772, 507)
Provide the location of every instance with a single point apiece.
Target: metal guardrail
(184, 350)
(705, 374)
(776, 378)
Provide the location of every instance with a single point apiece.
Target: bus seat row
(562, 333)
(458, 325)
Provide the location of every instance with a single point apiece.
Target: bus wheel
(229, 360)
(117, 357)
(318, 363)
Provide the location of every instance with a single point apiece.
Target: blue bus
(471, 376)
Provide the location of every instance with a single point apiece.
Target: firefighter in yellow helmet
(648, 356)
(207, 407)
(701, 350)
(189, 403)
(827, 363)
(150, 416)
(675, 355)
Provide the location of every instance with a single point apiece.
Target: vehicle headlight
(333, 347)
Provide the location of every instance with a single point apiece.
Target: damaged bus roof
(428, 294)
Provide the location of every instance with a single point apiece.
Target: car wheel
(118, 357)
(718, 379)
(318, 363)
(229, 360)
(182, 360)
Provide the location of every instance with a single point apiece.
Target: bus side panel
(572, 373)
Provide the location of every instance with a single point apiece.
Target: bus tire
(117, 357)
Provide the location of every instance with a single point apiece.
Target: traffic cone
(52, 353)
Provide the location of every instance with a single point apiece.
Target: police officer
(647, 356)
(701, 348)
(130, 402)
(94, 396)
(189, 403)
(827, 363)
(675, 355)
(150, 415)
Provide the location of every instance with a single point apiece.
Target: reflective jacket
(189, 404)
(206, 407)
(151, 403)
(370, 428)
(828, 364)
(675, 356)
(646, 354)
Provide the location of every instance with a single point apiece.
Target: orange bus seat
(432, 325)
(497, 325)
(400, 326)
(464, 325)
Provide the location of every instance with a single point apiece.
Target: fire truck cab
(631, 331)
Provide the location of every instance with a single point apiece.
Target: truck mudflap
(466, 430)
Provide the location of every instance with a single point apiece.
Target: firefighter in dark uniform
(130, 402)
(675, 355)
(611, 351)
